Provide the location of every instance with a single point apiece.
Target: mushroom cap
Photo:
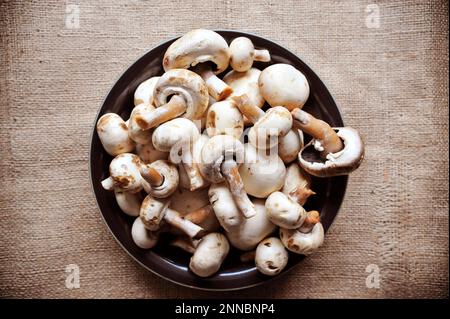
(261, 174)
(196, 157)
(271, 257)
(295, 177)
(113, 134)
(211, 251)
(172, 132)
(142, 237)
(197, 46)
(245, 83)
(282, 84)
(152, 212)
(124, 171)
(241, 54)
(144, 92)
(252, 230)
(148, 153)
(224, 118)
(170, 182)
(341, 163)
(135, 132)
(215, 150)
(186, 84)
(290, 145)
(225, 208)
(268, 129)
(129, 203)
(185, 201)
(303, 243)
(284, 212)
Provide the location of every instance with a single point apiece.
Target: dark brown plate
(169, 262)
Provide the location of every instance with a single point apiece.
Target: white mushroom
(283, 211)
(209, 255)
(271, 256)
(135, 132)
(185, 179)
(243, 53)
(188, 97)
(283, 85)
(124, 174)
(252, 230)
(224, 206)
(290, 145)
(261, 174)
(197, 48)
(113, 133)
(143, 237)
(162, 178)
(221, 157)
(144, 92)
(129, 203)
(224, 118)
(148, 153)
(297, 184)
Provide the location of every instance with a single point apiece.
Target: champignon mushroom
(200, 48)
(188, 97)
(221, 157)
(341, 149)
(306, 239)
(271, 257)
(144, 92)
(143, 237)
(283, 85)
(124, 174)
(129, 203)
(162, 177)
(290, 145)
(269, 126)
(185, 179)
(297, 184)
(243, 53)
(261, 174)
(224, 206)
(283, 211)
(224, 118)
(135, 132)
(209, 255)
(148, 153)
(153, 212)
(252, 230)
(113, 133)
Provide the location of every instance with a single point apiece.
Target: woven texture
(390, 82)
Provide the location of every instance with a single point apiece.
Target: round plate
(172, 263)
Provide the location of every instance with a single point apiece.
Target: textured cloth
(390, 82)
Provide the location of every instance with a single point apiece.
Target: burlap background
(390, 82)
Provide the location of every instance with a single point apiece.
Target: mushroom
(221, 157)
(297, 184)
(271, 257)
(135, 132)
(341, 149)
(129, 203)
(252, 230)
(269, 126)
(199, 49)
(283, 211)
(224, 206)
(209, 255)
(177, 137)
(144, 92)
(188, 97)
(224, 118)
(283, 85)
(243, 53)
(124, 174)
(290, 145)
(153, 212)
(113, 133)
(148, 153)
(162, 177)
(261, 174)
(199, 181)
(143, 237)
(306, 239)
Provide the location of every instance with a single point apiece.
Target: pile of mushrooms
(242, 182)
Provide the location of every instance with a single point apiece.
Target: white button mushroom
(209, 255)
(129, 203)
(252, 230)
(144, 92)
(143, 237)
(261, 174)
(188, 97)
(283, 85)
(297, 184)
(224, 206)
(284, 211)
(135, 132)
(271, 257)
(124, 174)
(162, 177)
(243, 53)
(148, 153)
(224, 118)
(113, 133)
(197, 48)
(221, 157)
(290, 145)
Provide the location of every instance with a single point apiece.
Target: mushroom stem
(301, 194)
(151, 175)
(172, 109)
(195, 178)
(187, 244)
(200, 215)
(312, 218)
(108, 183)
(217, 88)
(261, 55)
(230, 171)
(174, 218)
(252, 112)
(319, 130)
